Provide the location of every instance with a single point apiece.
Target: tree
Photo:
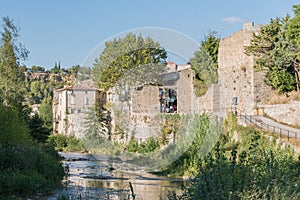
(97, 123)
(55, 69)
(45, 112)
(211, 45)
(276, 55)
(123, 54)
(35, 68)
(10, 75)
(293, 35)
(205, 63)
(293, 29)
(74, 69)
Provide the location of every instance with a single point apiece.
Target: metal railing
(267, 127)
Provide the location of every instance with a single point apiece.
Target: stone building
(239, 86)
(71, 105)
(238, 82)
(175, 94)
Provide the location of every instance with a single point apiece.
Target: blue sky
(68, 30)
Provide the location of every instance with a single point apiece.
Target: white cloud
(231, 20)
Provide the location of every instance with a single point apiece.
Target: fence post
(260, 126)
(280, 132)
(288, 135)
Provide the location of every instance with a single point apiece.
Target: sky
(67, 31)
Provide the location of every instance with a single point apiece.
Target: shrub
(66, 143)
(254, 168)
(148, 146)
(132, 145)
(28, 170)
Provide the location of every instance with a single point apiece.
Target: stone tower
(236, 75)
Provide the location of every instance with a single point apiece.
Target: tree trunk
(296, 76)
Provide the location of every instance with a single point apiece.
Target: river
(109, 177)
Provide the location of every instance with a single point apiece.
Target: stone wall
(145, 99)
(185, 91)
(236, 75)
(287, 113)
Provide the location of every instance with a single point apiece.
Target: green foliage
(150, 145)
(123, 54)
(35, 68)
(26, 167)
(97, 122)
(293, 29)
(187, 163)
(28, 170)
(37, 131)
(205, 62)
(171, 126)
(11, 88)
(276, 54)
(253, 168)
(13, 128)
(45, 113)
(211, 45)
(66, 143)
(132, 145)
(200, 87)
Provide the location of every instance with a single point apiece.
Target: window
(86, 100)
(73, 100)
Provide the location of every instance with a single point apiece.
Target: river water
(110, 177)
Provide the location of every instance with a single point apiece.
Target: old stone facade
(176, 95)
(236, 75)
(71, 105)
(239, 86)
(139, 115)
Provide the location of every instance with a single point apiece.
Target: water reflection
(106, 177)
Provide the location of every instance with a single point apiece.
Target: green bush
(66, 143)
(254, 168)
(28, 170)
(132, 145)
(148, 146)
(75, 144)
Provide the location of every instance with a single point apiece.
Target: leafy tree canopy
(123, 54)
(205, 60)
(35, 68)
(276, 54)
(293, 29)
(10, 74)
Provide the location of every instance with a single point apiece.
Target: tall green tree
(293, 29)
(276, 55)
(205, 63)
(10, 75)
(205, 60)
(123, 54)
(293, 35)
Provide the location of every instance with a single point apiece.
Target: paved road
(270, 125)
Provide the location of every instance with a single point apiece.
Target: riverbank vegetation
(251, 166)
(28, 165)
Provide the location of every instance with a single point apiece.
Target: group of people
(168, 108)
